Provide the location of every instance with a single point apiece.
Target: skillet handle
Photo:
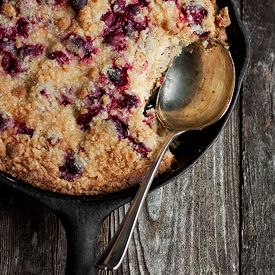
(82, 221)
(81, 218)
(81, 231)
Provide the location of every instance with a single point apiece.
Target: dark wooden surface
(218, 218)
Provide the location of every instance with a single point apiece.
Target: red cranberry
(118, 76)
(6, 122)
(59, 2)
(94, 97)
(7, 46)
(116, 39)
(108, 18)
(23, 27)
(194, 14)
(119, 5)
(31, 50)
(121, 21)
(71, 168)
(61, 57)
(132, 26)
(45, 93)
(134, 9)
(123, 133)
(65, 100)
(7, 40)
(139, 147)
(84, 120)
(7, 33)
(22, 129)
(10, 64)
(144, 3)
(121, 127)
(128, 102)
(142, 149)
(79, 46)
(149, 119)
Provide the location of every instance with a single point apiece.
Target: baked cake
(75, 80)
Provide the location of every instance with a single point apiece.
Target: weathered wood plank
(32, 239)
(192, 225)
(258, 190)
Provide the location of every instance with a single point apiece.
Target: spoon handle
(113, 255)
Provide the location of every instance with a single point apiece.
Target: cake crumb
(223, 18)
(82, 93)
(8, 9)
(2, 149)
(19, 92)
(63, 23)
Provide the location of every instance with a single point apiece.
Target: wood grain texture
(32, 240)
(258, 190)
(192, 225)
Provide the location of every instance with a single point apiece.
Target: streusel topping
(74, 84)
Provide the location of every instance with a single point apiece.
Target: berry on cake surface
(74, 83)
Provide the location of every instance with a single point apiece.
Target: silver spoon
(196, 93)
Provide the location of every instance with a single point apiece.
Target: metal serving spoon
(196, 93)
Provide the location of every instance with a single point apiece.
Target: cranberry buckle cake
(74, 83)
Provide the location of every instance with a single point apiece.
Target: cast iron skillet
(82, 215)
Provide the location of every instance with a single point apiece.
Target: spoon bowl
(197, 88)
(197, 91)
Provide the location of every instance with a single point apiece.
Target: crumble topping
(75, 81)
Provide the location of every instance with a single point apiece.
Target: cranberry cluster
(124, 133)
(7, 122)
(12, 57)
(81, 47)
(122, 21)
(120, 101)
(194, 14)
(77, 46)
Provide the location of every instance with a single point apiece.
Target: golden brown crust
(73, 87)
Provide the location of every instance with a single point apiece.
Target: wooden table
(218, 218)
